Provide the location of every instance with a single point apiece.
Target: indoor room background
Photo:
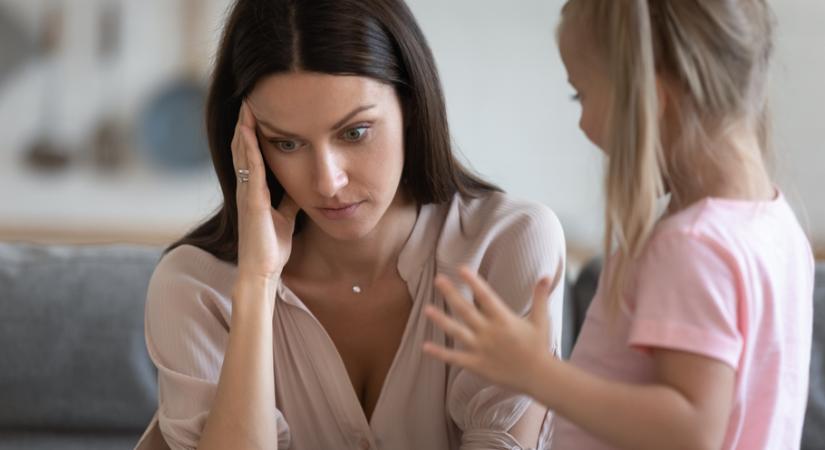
(101, 111)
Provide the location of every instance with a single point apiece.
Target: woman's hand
(264, 233)
(496, 343)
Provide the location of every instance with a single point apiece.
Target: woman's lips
(340, 213)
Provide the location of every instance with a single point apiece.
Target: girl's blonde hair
(713, 56)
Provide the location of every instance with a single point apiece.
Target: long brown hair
(715, 56)
(379, 39)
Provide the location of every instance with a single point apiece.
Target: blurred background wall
(101, 103)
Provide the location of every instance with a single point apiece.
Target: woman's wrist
(254, 290)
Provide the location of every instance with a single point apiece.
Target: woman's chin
(351, 229)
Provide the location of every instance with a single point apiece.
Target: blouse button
(364, 443)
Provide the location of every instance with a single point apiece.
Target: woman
(293, 318)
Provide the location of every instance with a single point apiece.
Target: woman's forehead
(308, 96)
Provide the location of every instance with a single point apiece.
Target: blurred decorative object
(44, 156)
(172, 127)
(109, 37)
(173, 124)
(16, 45)
(109, 147)
(45, 153)
(109, 150)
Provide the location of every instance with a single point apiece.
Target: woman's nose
(330, 173)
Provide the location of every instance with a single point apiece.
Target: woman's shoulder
(473, 226)
(500, 213)
(193, 260)
(190, 267)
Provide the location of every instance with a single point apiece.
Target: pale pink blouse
(424, 404)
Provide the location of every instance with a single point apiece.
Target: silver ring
(243, 175)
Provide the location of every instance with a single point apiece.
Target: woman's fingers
(452, 327)
(238, 153)
(254, 159)
(288, 208)
(466, 310)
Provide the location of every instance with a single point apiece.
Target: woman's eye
(286, 146)
(355, 134)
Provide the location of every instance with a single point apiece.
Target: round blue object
(172, 127)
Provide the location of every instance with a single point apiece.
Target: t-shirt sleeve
(686, 298)
(186, 335)
(525, 250)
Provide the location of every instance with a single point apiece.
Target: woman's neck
(365, 260)
(734, 169)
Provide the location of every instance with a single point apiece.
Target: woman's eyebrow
(337, 125)
(349, 116)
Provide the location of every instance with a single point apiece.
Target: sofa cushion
(71, 328)
(67, 441)
(813, 435)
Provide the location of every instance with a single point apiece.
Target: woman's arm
(242, 415)
(528, 428)
(687, 406)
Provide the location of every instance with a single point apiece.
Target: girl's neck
(318, 255)
(734, 169)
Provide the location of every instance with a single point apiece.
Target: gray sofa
(74, 373)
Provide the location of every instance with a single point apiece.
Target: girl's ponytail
(634, 174)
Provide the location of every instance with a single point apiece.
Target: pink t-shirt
(729, 280)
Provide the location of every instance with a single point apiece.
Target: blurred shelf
(46, 235)
(82, 205)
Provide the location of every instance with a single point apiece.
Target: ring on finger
(243, 175)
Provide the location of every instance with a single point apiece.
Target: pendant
(356, 289)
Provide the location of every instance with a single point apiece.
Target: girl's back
(726, 279)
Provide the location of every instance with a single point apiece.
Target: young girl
(699, 334)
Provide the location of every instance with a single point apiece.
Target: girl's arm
(687, 406)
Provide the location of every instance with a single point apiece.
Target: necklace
(356, 289)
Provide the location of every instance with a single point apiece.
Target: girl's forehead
(578, 50)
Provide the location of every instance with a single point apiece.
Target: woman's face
(336, 145)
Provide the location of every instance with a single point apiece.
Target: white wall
(508, 100)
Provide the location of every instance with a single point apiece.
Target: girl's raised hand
(264, 233)
(494, 341)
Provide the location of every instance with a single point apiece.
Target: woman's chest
(365, 328)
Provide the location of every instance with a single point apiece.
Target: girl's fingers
(541, 294)
(463, 308)
(488, 300)
(449, 356)
(541, 297)
(452, 327)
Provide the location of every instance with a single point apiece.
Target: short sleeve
(187, 333)
(686, 298)
(526, 245)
